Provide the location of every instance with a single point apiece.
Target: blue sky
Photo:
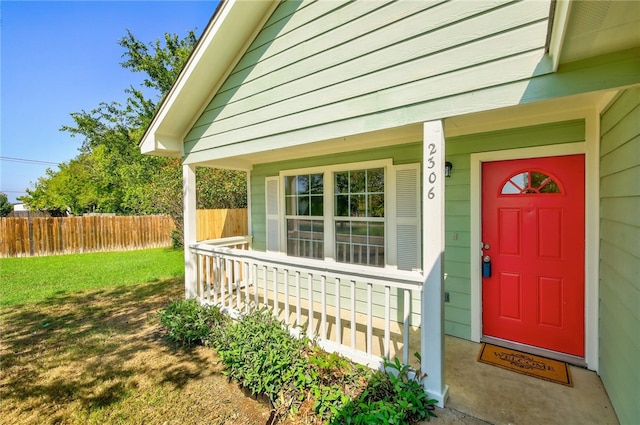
(63, 57)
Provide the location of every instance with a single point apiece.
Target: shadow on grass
(92, 348)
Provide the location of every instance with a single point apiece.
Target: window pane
(342, 182)
(303, 205)
(530, 182)
(317, 184)
(317, 205)
(343, 230)
(357, 181)
(305, 238)
(303, 185)
(376, 206)
(342, 205)
(360, 242)
(375, 180)
(544, 183)
(357, 205)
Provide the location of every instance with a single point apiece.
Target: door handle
(486, 266)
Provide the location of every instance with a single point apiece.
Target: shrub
(259, 352)
(296, 375)
(189, 323)
(393, 397)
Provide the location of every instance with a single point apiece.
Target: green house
(422, 168)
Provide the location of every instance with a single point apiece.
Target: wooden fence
(216, 224)
(35, 236)
(38, 236)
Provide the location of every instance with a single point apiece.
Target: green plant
(396, 396)
(329, 400)
(259, 352)
(189, 323)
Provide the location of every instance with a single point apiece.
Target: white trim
(590, 149)
(558, 31)
(330, 168)
(592, 240)
(328, 195)
(189, 230)
(432, 317)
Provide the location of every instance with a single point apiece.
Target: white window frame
(329, 198)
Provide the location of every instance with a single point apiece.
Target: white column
(432, 317)
(189, 216)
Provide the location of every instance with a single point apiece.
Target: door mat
(527, 364)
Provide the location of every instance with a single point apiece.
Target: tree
(110, 174)
(5, 206)
(215, 188)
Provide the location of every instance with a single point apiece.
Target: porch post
(189, 216)
(432, 317)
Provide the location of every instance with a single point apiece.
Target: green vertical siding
(620, 255)
(457, 206)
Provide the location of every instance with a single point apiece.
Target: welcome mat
(528, 364)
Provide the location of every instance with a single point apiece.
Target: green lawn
(33, 279)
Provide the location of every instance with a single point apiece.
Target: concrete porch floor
(485, 394)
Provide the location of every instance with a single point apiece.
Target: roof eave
(228, 34)
(560, 20)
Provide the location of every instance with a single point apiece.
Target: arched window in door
(530, 182)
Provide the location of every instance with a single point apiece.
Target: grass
(88, 347)
(33, 279)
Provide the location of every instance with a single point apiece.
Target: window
(304, 210)
(366, 213)
(529, 182)
(359, 216)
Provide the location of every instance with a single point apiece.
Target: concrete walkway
(481, 394)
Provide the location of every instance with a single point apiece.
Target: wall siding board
(401, 28)
(620, 254)
(621, 184)
(621, 133)
(621, 210)
(627, 296)
(460, 269)
(417, 59)
(455, 314)
(456, 284)
(623, 235)
(313, 110)
(624, 157)
(626, 104)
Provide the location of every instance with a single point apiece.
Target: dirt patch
(100, 357)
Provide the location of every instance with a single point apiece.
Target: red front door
(533, 236)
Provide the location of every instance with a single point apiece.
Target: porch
(378, 314)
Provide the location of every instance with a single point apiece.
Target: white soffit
(599, 27)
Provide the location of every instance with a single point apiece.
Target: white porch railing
(334, 302)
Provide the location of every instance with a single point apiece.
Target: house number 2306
(432, 178)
